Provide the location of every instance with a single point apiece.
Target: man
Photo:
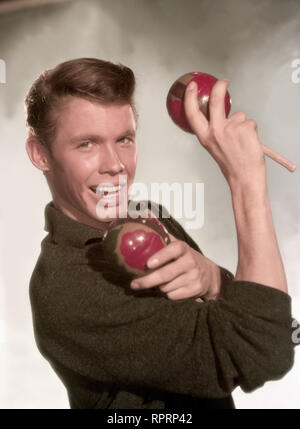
(121, 345)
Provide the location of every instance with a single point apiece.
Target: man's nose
(110, 161)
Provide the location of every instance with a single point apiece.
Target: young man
(120, 345)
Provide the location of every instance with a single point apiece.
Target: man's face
(94, 144)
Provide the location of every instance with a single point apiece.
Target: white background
(250, 42)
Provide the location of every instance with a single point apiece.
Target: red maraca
(129, 243)
(175, 96)
(205, 82)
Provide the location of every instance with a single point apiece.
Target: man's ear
(38, 154)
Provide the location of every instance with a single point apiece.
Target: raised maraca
(175, 97)
(129, 243)
(205, 83)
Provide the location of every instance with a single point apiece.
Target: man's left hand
(181, 272)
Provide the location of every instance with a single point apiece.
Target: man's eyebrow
(84, 137)
(127, 133)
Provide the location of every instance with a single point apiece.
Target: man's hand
(181, 272)
(235, 146)
(233, 142)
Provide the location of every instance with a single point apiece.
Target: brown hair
(90, 78)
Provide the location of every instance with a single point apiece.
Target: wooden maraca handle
(278, 158)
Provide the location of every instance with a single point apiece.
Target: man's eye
(85, 145)
(126, 140)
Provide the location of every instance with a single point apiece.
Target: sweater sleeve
(101, 331)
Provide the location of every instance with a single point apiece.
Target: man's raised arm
(235, 146)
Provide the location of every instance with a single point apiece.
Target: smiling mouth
(107, 192)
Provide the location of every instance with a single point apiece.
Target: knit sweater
(113, 347)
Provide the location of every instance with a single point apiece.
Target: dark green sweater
(117, 348)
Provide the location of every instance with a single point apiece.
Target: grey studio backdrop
(253, 43)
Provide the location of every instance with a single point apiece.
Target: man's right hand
(233, 142)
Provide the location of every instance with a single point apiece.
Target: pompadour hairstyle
(90, 78)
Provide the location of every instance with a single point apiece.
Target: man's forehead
(82, 117)
(78, 103)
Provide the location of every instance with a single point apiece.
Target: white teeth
(109, 189)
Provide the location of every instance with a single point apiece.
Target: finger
(180, 281)
(217, 102)
(181, 293)
(195, 117)
(191, 280)
(173, 250)
(237, 117)
(160, 276)
(252, 124)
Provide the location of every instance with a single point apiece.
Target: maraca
(129, 243)
(175, 97)
(205, 82)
